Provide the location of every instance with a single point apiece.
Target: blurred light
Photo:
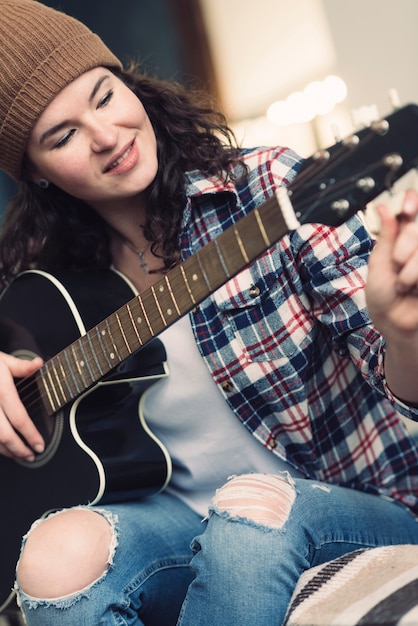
(318, 98)
(336, 87)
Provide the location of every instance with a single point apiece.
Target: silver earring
(43, 183)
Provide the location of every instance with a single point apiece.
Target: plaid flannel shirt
(290, 344)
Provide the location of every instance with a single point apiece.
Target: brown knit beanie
(41, 51)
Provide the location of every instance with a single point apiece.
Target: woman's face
(95, 141)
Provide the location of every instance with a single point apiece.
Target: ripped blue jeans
(147, 576)
(262, 532)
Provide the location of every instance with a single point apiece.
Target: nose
(104, 136)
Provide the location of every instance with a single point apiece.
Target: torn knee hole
(65, 553)
(265, 499)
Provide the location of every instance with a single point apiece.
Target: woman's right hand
(14, 418)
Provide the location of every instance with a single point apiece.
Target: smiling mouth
(119, 160)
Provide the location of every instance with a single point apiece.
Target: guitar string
(337, 152)
(332, 191)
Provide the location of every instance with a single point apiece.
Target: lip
(124, 160)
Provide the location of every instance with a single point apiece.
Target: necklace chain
(140, 253)
(142, 261)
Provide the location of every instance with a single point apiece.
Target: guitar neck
(82, 364)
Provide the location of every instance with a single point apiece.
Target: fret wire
(95, 356)
(53, 386)
(241, 245)
(100, 335)
(110, 334)
(122, 332)
(134, 326)
(261, 228)
(158, 306)
(172, 295)
(70, 368)
(58, 381)
(186, 282)
(144, 313)
(79, 365)
(50, 389)
(221, 258)
(202, 269)
(64, 377)
(48, 393)
(81, 343)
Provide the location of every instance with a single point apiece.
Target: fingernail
(409, 206)
(39, 448)
(30, 458)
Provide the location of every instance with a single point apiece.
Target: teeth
(120, 159)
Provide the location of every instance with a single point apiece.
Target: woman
(118, 169)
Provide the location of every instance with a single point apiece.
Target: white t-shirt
(205, 440)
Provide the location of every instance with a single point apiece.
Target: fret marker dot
(103, 333)
(82, 364)
(139, 320)
(112, 355)
(195, 277)
(169, 311)
(161, 288)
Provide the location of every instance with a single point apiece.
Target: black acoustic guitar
(100, 346)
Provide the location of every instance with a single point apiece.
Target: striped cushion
(362, 588)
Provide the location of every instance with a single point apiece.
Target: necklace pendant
(142, 262)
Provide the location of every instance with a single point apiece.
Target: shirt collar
(198, 184)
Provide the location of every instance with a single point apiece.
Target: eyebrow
(57, 127)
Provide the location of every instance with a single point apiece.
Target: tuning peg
(394, 99)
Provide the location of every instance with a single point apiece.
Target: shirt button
(254, 291)
(227, 386)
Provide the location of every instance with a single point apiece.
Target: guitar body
(99, 448)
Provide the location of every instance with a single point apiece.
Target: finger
(13, 415)
(11, 444)
(4, 451)
(383, 250)
(15, 422)
(406, 245)
(409, 207)
(407, 279)
(20, 367)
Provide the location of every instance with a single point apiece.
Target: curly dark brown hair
(50, 229)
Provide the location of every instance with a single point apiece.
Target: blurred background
(302, 73)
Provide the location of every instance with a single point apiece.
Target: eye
(64, 140)
(106, 99)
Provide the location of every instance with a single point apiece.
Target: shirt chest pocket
(262, 315)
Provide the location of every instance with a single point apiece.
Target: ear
(30, 171)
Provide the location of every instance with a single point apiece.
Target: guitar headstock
(333, 184)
